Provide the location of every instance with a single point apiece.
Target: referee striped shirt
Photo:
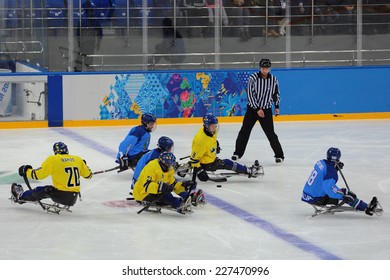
(262, 93)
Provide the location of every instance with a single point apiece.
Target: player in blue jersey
(164, 144)
(321, 188)
(136, 142)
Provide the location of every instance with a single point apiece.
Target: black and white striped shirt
(262, 93)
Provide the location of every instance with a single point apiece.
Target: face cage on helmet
(334, 160)
(216, 128)
(171, 150)
(165, 167)
(153, 128)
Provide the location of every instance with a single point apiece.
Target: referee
(262, 92)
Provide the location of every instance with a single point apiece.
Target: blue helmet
(208, 120)
(167, 160)
(60, 148)
(165, 143)
(148, 118)
(333, 154)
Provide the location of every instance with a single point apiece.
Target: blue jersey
(322, 181)
(137, 141)
(151, 155)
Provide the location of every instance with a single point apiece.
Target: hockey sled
(215, 176)
(185, 209)
(332, 209)
(54, 207)
(159, 209)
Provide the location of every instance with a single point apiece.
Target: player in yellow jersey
(205, 148)
(65, 170)
(157, 182)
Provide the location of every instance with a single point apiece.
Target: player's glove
(165, 188)
(339, 165)
(218, 148)
(202, 174)
(189, 185)
(123, 163)
(348, 196)
(23, 170)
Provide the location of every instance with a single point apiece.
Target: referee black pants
(267, 124)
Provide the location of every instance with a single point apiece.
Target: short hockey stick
(346, 184)
(193, 180)
(107, 170)
(218, 180)
(150, 204)
(184, 157)
(342, 175)
(32, 192)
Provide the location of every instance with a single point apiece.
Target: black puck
(219, 186)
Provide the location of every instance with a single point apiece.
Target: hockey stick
(32, 192)
(193, 180)
(214, 179)
(150, 203)
(184, 157)
(107, 170)
(218, 180)
(346, 184)
(342, 175)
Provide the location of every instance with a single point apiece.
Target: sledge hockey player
(136, 142)
(156, 183)
(205, 148)
(164, 144)
(65, 170)
(321, 189)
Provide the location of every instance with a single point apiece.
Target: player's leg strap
(235, 166)
(326, 200)
(35, 194)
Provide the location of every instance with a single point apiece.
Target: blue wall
(334, 90)
(185, 94)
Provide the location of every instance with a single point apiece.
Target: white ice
(246, 219)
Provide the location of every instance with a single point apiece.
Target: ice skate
(198, 198)
(185, 207)
(16, 192)
(256, 170)
(374, 207)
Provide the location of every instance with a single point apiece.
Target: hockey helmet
(265, 63)
(208, 120)
(165, 143)
(333, 154)
(149, 121)
(60, 148)
(166, 160)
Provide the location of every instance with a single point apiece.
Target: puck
(219, 186)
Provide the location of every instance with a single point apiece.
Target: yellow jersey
(65, 171)
(149, 179)
(204, 148)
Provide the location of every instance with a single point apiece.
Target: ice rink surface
(246, 219)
